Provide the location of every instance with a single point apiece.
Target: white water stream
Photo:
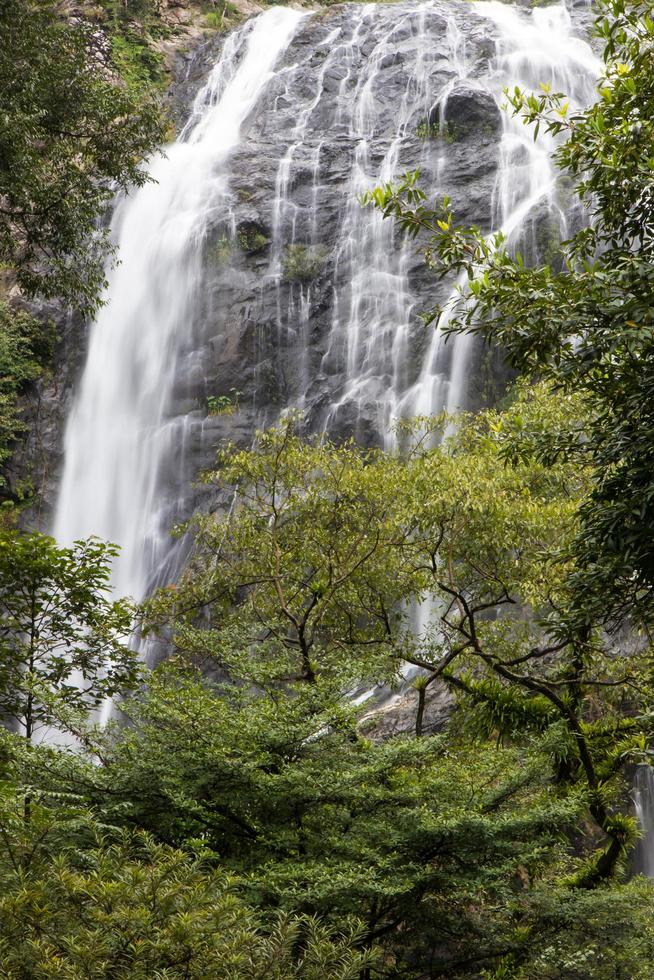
(643, 796)
(122, 443)
(532, 48)
(119, 438)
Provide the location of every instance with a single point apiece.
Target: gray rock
(397, 715)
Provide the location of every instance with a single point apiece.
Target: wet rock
(362, 94)
(472, 113)
(397, 714)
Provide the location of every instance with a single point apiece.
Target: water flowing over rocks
(251, 279)
(643, 797)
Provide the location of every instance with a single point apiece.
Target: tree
(584, 327)
(69, 139)
(311, 566)
(62, 638)
(422, 840)
(324, 543)
(79, 899)
(577, 935)
(71, 136)
(457, 853)
(588, 326)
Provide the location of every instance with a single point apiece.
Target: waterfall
(531, 51)
(643, 797)
(300, 114)
(119, 439)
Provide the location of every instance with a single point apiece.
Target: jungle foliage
(496, 847)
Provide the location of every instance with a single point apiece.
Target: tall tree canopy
(461, 853)
(71, 135)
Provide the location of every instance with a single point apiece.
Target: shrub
(303, 263)
(251, 239)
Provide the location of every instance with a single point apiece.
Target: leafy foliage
(313, 536)
(83, 900)
(20, 340)
(240, 777)
(303, 263)
(457, 854)
(248, 741)
(312, 817)
(68, 139)
(61, 636)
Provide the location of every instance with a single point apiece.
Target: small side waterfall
(530, 51)
(249, 265)
(643, 796)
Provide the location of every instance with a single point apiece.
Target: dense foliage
(62, 639)
(497, 848)
(79, 900)
(22, 343)
(68, 139)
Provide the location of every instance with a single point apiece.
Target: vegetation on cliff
(69, 139)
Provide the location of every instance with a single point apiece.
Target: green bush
(251, 239)
(436, 131)
(139, 65)
(223, 404)
(302, 263)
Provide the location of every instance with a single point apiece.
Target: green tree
(81, 900)
(457, 853)
(69, 139)
(605, 934)
(71, 136)
(311, 566)
(585, 327)
(423, 841)
(305, 577)
(62, 637)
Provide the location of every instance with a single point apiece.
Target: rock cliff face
(309, 300)
(291, 293)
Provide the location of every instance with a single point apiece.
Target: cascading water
(120, 438)
(643, 796)
(530, 53)
(250, 265)
(531, 49)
